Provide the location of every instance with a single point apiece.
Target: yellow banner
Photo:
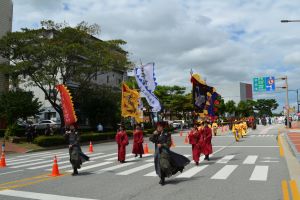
(130, 103)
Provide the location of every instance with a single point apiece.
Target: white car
(178, 123)
(43, 124)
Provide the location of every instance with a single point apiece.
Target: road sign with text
(264, 84)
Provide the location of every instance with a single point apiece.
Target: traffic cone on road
(2, 161)
(91, 149)
(186, 140)
(172, 142)
(55, 171)
(146, 150)
(180, 133)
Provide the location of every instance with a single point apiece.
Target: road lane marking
(234, 146)
(22, 162)
(11, 172)
(136, 169)
(39, 154)
(110, 169)
(104, 156)
(294, 189)
(24, 179)
(226, 159)
(260, 173)
(91, 166)
(152, 174)
(250, 160)
(38, 196)
(48, 165)
(116, 158)
(225, 172)
(31, 164)
(285, 191)
(269, 161)
(136, 158)
(65, 166)
(192, 171)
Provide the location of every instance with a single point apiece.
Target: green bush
(48, 141)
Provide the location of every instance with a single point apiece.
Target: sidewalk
(293, 138)
(13, 148)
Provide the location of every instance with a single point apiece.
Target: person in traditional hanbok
(167, 162)
(122, 141)
(207, 136)
(138, 140)
(215, 128)
(194, 137)
(77, 157)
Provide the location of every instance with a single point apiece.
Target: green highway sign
(264, 84)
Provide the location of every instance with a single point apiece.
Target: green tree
(245, 108)
(58, 53)
(16, 105)
(264, 107)
(230, 107)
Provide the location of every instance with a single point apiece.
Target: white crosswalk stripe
(22, 162)
(30, 164)
(152, 174)
(110, 169)
(225, 172)
(48, 165)
(260, 173)
(116, 158)
(191, 172)
(92, 166)
(226, 159)
(136, 169)
(250, 160)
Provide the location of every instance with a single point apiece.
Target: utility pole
(287, 105)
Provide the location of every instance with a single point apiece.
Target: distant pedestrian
(122, 141)
(99, 127)
(138, 140)
(29, 133)
(77, 157)
(215, 128)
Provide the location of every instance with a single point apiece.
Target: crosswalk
(100, 163)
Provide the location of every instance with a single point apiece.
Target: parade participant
(240, 129)
(235, 131)
(77, 157)
(207, 135)
(138, 141)
(194, 137)
(122, 141)
(167, 162)
(215, 128)
(245, 127)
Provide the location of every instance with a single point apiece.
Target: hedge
(48, 141)
(19, 132)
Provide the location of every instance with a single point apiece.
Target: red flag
(67, 105)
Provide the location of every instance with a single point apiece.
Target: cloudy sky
(227, 42)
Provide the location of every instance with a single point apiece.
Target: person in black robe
(77, 157)
(167, 162)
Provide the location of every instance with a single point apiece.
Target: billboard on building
(246, 91)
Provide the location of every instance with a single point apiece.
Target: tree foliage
(18, 104)
(264, 107)
(57, 53)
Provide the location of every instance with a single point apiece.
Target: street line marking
(116, 158)
(91, 166)
(104, 156)
(250, 160)
(137, 158)
(11, 172)
(25, 179)
(39, 154)
(260, 173)
(234, 146)
(224, 172)
(136, 169)
(110, 169)
(48, 165)
(269, 161)
(21, 162)
(38, 196)
(226, 159)
(294, 189)
(191, 172)
(66, 166)
(285, 191)
(152, 174)
(30, 164)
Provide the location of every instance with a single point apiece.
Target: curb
(292, 147)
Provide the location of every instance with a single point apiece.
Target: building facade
(246, 91)
(6, 14)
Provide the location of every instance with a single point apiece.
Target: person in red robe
(122, 141)
(194, 137)
(138, 140)
(207, 136)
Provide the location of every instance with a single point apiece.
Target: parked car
(179, 124)
(43, 124)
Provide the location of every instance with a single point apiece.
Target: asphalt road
(249, 169)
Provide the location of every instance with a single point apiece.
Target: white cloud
(225, 41)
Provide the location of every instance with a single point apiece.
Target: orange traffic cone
(91, 149)
(180, 133)
(172, 142)
(55, 171)
(146, 150)
(186, 140)
(2, 161)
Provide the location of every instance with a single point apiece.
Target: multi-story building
(6, 13)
